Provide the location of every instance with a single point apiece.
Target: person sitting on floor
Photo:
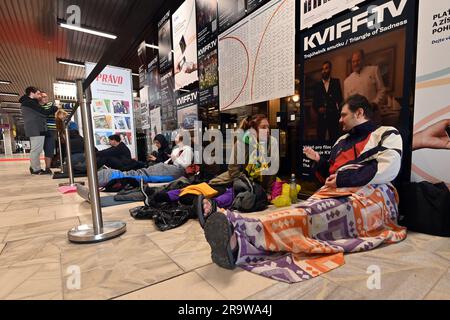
(355, 211)
(118, 156)
(174, 168)
(163, 150)
(254, 140)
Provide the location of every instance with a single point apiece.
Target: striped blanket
(299, 244)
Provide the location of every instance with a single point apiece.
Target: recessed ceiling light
(5, 82)
(87, 30)
(135, 74)
(354, 8)
(70, 63)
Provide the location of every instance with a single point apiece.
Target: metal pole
(98, 231)
(69, 156)
(91, 161)
(61, 158)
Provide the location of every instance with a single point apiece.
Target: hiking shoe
(218, 233)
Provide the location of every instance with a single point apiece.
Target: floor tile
(117, 267)
(3, 233)
(185, 245)
(234, 285)
(34, 203)
(442, 290)
(28, 249)
(19, 217)
(56, 227)
(32, 280)
(397, 279)
(189, 286)
(3, 206)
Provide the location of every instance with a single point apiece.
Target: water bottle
(293, 190)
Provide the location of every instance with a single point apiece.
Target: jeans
(37, 145)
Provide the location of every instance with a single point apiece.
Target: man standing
(50, 137)
(35, 122)
(326, 101)
(365, 81)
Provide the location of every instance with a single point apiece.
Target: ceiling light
(9, 94)
(135, 74)
(5, 82)
(152, 46)
(70, 63)
(87, 30)
(354, 8)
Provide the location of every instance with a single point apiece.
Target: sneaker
(36, 173)
(47, 171)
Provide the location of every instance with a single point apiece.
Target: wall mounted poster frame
(112, 106)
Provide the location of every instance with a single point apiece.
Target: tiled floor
(38, 262)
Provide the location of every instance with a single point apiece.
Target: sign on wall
(112, 106)
(360, 53)
(315, 11)
(185, 44)
(257, 56)
(208, 58)
(431, 142)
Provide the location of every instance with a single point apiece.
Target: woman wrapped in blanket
(174, 168)
(356, 210)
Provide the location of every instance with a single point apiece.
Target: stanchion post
(69, 156)
(98, 231)
(61, 158)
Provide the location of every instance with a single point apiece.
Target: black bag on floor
(250, 196)
(425, 208)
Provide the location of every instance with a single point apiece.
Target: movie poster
(431, 142)
(185, 45)
(359, 53)
(156, 127)
(187, 110)
(208, 68)
(230, 12)
(145, 111)
(112, 106)
(168, 108)
(255, 69)
(252, 5)
(142, 55)
(154, 83)
(315, 11)
(165, 44)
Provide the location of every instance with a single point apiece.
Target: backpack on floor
(250, 196)
(425, 208)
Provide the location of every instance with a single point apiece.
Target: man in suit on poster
(366, 81)
(326, 101)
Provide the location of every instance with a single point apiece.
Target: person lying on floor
(222, 191)
(174, 168)
(355, 211)
(118, 156)
(163, 150)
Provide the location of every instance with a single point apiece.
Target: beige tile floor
(38, 262)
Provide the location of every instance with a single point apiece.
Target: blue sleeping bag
(147, 179)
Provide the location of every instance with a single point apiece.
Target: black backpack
(425, 208)
(121, 184)
(250, 196)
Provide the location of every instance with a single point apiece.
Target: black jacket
(332, 99)
(35, 117)
(163, 153)
(121, 152)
